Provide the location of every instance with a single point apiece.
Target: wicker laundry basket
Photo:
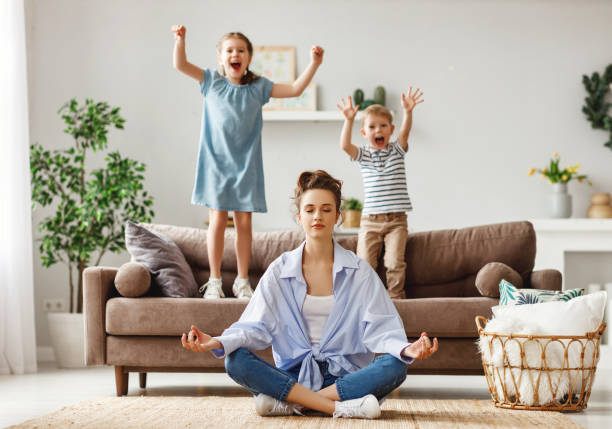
(536, 372)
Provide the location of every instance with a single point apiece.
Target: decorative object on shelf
(305, 102)
(277, 63)
(596, 107)
(91, 208)
(600, 206)
(379, 98)
(561, 201)
(351, 213)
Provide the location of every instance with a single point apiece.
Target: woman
(326, 314)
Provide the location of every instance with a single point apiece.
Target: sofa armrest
(98, 283)
(546, 279)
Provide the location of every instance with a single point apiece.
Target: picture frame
(276, 63)
(305, 102)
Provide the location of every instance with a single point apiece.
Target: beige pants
(392, 229)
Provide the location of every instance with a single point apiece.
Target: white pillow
(574, 317)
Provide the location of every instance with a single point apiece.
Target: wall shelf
(302, 115)
(306, 115)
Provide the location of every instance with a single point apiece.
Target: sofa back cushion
(440, 263)
(448, 260)
(267, 246)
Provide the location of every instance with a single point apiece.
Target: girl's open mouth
(235, 66)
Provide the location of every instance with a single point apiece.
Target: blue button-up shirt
(363, 320)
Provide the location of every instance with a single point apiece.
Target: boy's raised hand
(179, 32)
(348, 110)
(316, 54)
(410, 100)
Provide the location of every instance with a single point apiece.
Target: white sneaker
(360, 408)
(212, 289)
(268, 406)
(242, 288)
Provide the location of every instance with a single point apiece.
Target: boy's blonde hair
(378, 110)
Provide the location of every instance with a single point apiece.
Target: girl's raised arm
(180, 57)
(283, 90)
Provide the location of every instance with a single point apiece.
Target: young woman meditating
(326, 314)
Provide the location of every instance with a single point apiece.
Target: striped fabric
(384, 179)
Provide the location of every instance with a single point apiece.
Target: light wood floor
(27, 396)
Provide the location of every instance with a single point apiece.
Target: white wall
(502, 84)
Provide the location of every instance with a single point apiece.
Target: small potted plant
(559, 177)
(89, 210)
(351, 213)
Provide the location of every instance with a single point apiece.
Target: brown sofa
(143, 334)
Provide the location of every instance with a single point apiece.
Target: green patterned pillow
(510, 295)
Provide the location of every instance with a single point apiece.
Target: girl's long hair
(249, 76)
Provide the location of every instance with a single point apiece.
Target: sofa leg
(143, 380)
(121, 380)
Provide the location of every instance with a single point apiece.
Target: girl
(325, 313)
(229, 172)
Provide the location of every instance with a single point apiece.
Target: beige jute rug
(238, 412)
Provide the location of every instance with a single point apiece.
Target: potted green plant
(89, 209)
(351, 213)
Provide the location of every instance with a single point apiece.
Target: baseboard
(45, 354)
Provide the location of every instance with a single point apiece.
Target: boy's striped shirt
(384, 179)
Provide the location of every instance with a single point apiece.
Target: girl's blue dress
(229, 170)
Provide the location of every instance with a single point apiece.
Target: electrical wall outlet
(56, 304)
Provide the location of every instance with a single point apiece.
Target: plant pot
(561, 201)
(67, 332)
(351, 218)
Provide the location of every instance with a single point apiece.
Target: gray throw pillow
(170, 271)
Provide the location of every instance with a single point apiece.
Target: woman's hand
(199, 341)
(410, 100)
(348, 110)
(421, 348)
(316, 54)
(179, 32)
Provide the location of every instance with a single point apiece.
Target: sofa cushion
(511, 295)
(267, 246)
(172, 275)
(132, 280)
(171, 316)
(489, 276)
(441, 317)
(439, 257)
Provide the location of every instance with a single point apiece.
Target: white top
(315, 311)
(384, 179)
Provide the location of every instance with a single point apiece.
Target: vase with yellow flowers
(561, 201)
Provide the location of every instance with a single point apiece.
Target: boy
(384, 181)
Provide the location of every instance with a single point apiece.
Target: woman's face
(318, 213)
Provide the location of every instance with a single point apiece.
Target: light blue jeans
(379, 378)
